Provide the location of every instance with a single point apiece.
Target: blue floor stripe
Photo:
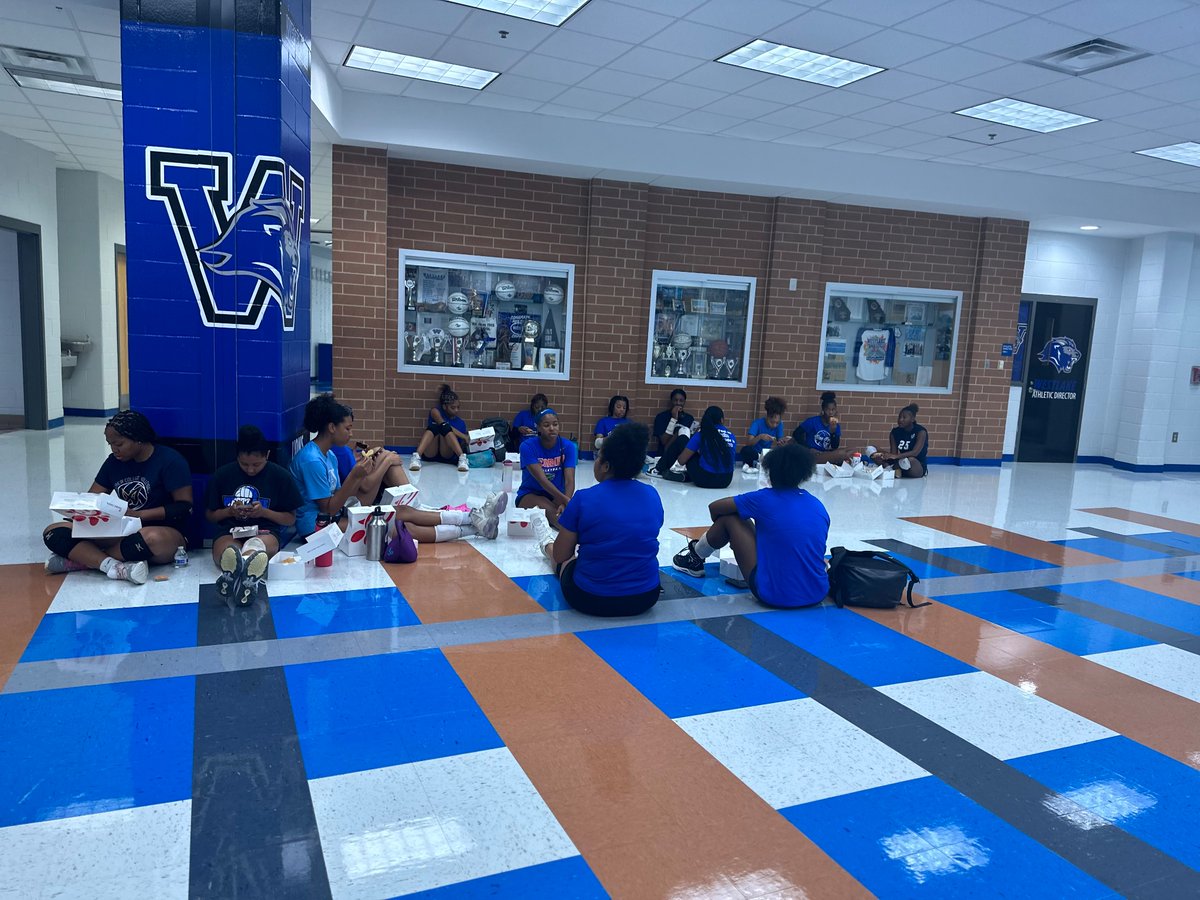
(303, 615)
(1195, 576)
(1058, 627)
(545, 589)
(1112, 549)
(711, 585)
(921, 568)
(871, 652)
(103, 632)
(994, 559)
(924, 839)
(1173, 539)
(1138, 790)
(1135, 601)
(684, 670)
(563, 879)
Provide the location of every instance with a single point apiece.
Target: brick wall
(616, 234)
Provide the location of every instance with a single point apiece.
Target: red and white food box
(320, 542)
(480, 439)
(354, 543)
(401, 495)
(519, 524)
(94, 515)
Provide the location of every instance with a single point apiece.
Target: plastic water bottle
(181, 557)
(507, 478)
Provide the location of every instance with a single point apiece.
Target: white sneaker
(415, 465)
(543, 534)
(749, 469)
(133, 572)
(486, 518)
(905, 464)
(463, 465)
(677, 469)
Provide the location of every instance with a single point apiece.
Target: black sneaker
(688, 562)
(232, 569)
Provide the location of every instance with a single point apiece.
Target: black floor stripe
(931, 557)
(1136, 540)
(1153, 631)
(254, 831)
(1112, 856)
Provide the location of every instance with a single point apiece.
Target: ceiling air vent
(44, 61)
(1088, 57)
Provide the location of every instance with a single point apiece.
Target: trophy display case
(699, 328)
(898, 340)
(485, 316)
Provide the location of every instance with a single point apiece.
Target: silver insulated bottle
(377, 527)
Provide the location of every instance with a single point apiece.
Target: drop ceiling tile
(1145, 72)
(17, 108)
(1029, 38)
(485, 27)
(758, 131)
(97, 21)
(986, 156)
(938, 147)
(705, 122)
(1070, 170)
(411, 41)
(529, 88)
(683, 95)
(1012, 80)
(101, 119)
(954, 64)
(49, 101)
(1104, 16)
(784, 90)
(1078, 153)
(1170, 118)
(809, 139)
(567, 112)
(335, 25)
(97, 143)
(624, 83)
(1183, 90)
(21, 125)
(1189, 54)
(107, 70)
(841, 103)
(895, 114)
(649, 111)
(758, 17)
(372, 82)
(655, 63)
(945, 124)
(1123, 103)
(549, 68)
(951, 98)
(1066, 93)
(493, 57)
(624, 120)
(850, 128)
(891, 49)
(1172, 31)
(102, 46)
(66, 128)
(893, 85)
(859, 146)
(742, 107)
(493, 100)
(822, 32)
(353, 7)
(679, 8)
(698, 41)
(897, 138)
(582, 48)
(721, 77)
(960, 21)
(880, 12)
(36, 12)
(595, 101)
(440, 93)
(796, 117)
(443, 18)
(620, 23)
(333, 52)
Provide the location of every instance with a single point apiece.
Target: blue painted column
(217, 136)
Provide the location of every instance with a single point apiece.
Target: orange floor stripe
(455, 582)
(28, 593)
(693, 533)
(651, 811)
(1142, 712)
(1055, 554)
(1178, 588)
(1130, 515)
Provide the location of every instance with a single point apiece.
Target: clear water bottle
(506, 478)
(181, 557)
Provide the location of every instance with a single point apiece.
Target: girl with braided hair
(156, 483)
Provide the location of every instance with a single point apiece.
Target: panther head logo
(1062, 353)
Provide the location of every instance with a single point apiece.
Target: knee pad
(59, 540)
(135, 549)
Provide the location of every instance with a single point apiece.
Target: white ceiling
(629, 89)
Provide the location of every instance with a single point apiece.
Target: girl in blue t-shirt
(618, 410)
(547, 469)
(823, 434)
(524, 424)
(763, 434)
(778, 534)
(606, 550)
(708, 459)
(445, 438)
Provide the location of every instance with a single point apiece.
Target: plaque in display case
(699, 328)
(897, 340)
(484, 316)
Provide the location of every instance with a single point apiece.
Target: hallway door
(1057, 351)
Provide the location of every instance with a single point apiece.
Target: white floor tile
(415, 827)
(994, 715)
(95, 590)
(1161, 665)
(797, 751)
(141, 852)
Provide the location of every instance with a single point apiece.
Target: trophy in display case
(437, 341)
(410, 289)
(479, 339)
(529, 345)
(683, 350)
(458, 328)
(414, 344)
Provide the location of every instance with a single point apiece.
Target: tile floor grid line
(1105, 852)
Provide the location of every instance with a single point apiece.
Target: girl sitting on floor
(764, 433)
(910, 445)
(707, 460)
(445, 438)
(823, 434)
(547, 469)
(613, 527)
(156, 483)
(524, 423)
(782, 551)
(618, 411)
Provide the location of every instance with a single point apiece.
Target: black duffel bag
(870, 578)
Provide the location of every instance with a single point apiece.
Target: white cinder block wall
(321, 266)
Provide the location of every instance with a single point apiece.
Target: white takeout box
(354, 542)
(519, 524)
(480, 439)
(729, 568)
(94, 515)
(279, 570)
(845, 470)
(320, 542)
(401, 495)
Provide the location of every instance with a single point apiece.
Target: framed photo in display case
(889, 339)
(485, 316)
(700, 328)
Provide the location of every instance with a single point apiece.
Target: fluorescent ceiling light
(64, 84)
(803, 65)
(550, 12)
(1187, 153)
(1029, 116)
(418, 67)
(1089, 227)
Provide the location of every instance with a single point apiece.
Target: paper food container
(94, 515)
(286, 565)
(729, 569)
(481, 439)
(320, 542)
(354, 542)
(402, 495)
(845, 470)
(519, 524)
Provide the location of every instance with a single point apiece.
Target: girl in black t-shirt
(910, 445)
(156, 483)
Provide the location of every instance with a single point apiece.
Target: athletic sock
(443, 533)
(703, 549)
(455, 517)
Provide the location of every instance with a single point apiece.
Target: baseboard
(1007, 457)
(90, 413)
(1134, 467)
(963, 461)
(56, 423)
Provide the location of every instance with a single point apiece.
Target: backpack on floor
(502, 429)
(870, 578)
